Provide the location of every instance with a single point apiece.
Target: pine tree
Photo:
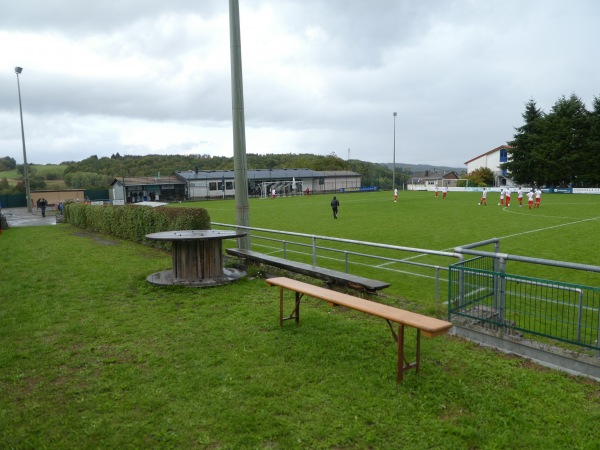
(590, 175)
(568, 128)
(525, 162)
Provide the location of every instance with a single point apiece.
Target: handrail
(505, 256)
(347, 241)
(314, 247)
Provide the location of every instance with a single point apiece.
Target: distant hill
(414, 168)
(78, 174)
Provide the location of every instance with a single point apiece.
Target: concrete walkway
(20, 217)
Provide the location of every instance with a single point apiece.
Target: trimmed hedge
(134, 222)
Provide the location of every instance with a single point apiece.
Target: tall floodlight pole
(242, 209)
(18, 70)
(347, 168)
(394, 161)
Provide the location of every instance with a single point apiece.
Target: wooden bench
(429, 326)
(327, 275)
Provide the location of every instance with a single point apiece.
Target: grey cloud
(82, 17)
(457, 72)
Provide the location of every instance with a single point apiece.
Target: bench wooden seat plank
(429, 326)
(328, 275)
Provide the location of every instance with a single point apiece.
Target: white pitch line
(517, 211)
(549, 228)
(514, 235)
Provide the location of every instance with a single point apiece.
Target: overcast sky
(144, 77)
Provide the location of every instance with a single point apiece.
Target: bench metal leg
(280, 307)
(295, 313)
(403, 364)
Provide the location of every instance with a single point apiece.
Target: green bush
(134, 222)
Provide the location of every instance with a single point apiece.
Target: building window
(503, 155)
(212, 186)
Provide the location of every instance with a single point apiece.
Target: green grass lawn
(92, 356)
(40, 170)
(564, 229)
(9, 174)
(418, 220)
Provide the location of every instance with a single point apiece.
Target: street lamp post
(394, 161)
(18, 70)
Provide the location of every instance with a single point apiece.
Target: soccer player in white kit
(530, 195)
(538, 198)
(483, 200)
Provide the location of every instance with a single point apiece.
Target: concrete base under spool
(165, 278)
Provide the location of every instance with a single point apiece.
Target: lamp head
(18, 70)
(395, 114)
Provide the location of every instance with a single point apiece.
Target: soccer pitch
(564, 228)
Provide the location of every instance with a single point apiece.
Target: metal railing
(366, 259)
(481, 293)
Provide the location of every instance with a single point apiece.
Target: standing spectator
(307, 191)
(520, 196)
(538, 197)
(395, 195)
(43, 203)
(530, 195)
(507, 194)
(436, 191)
(273, 193)
(334, 206)
(483, 200)
(444, 192)
(60, 208)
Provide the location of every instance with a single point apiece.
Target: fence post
(347, 269)
(496, 286)
(502, 292)
(496, 283)
(437, 286)
(284, 250)
(598, 333)
(579, 314)
(314, 250)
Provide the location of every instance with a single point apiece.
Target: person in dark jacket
(334, 206)
(43, 204)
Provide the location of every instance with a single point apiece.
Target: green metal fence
(481, 294)
(13, 201)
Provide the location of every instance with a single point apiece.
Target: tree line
(152, 165)
(558, 149)
(97, 173)
(7, 163)
(163, 165)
